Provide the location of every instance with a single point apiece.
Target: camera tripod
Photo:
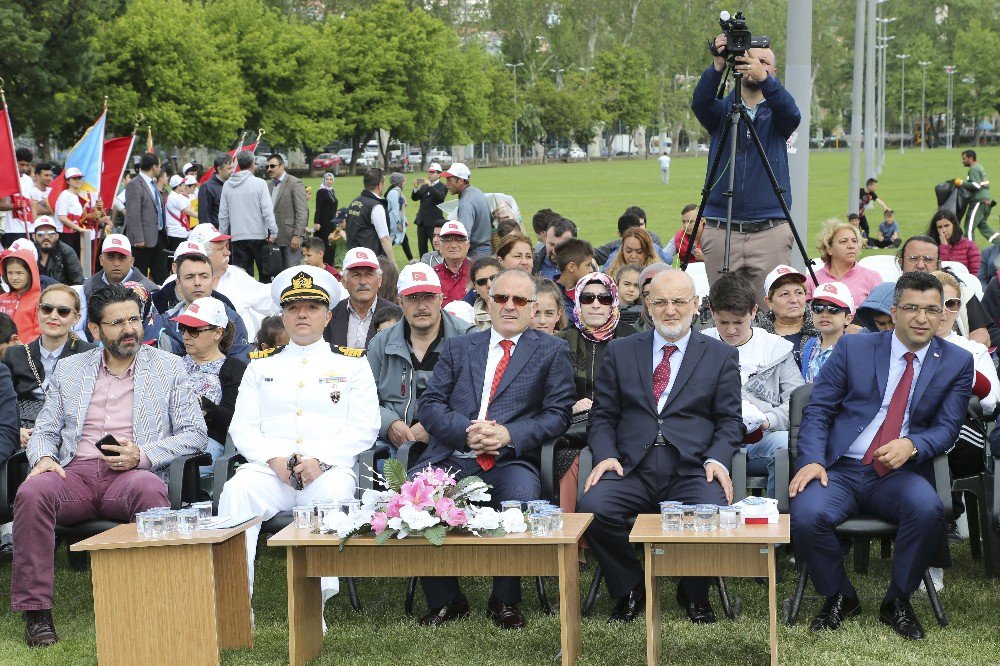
(738, 115)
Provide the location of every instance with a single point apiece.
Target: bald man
(669, 436)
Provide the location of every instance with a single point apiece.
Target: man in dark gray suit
(144, 221)
(669, 436)
(291, 209)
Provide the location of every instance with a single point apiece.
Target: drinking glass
(728, 517)
(187, 522)
(671, 517)
(704, 517)
(687, 511)
(303, 516)
(169, 523)
(350, 506)
(141, 524)
(541, 524)
(556, 516)
(510, 504)
(154, 525)
(534, 504)
(204, 510)
(327, 508)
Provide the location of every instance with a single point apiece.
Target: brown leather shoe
(39, 630)
(453, 611)
(505, 616)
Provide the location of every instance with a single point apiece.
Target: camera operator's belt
(745, 227)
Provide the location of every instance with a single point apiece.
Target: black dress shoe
(951, 532)
(453, 611)
(629, 607)
(505, 616)
(39, 630)
(899, 615)
(697, 613)
(835, 610)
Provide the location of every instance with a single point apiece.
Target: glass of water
(169, 523)
(541, 524)
(729, 517)
(204, 510)
(303, 516)
(510, 504)
(705, 516)
(556, 518)
(350, 506)
(671, 517)
(141, 524)
(154, 525)
(327, 508)
(187, 522)
(687, 516)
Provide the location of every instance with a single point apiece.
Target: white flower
(396, 523)
(513, 521)
(372, 498)
(482, 518)
(417, 520)
(477, 492)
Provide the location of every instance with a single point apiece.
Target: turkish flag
(116, 154)
(10, 181)
(252, 147)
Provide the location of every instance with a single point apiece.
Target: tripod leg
(705, 191)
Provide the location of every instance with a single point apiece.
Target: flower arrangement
(430, 505)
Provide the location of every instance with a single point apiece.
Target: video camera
(738, 38)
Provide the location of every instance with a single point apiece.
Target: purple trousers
(90, 490)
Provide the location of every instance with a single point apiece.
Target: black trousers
(425, 235)
(246, 253)
(616, 501)
(153, 261)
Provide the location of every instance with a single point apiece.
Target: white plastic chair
(700, 276)
(969, 280)
(883, 264)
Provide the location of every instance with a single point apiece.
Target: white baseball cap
(418, 277)
(836, 293)
(189, 247)
(206, 232)
(187, 166)
(175, 180)
(360, 257)
(453, 228)
(43, 221)
(73, 172)
(190, 180)
(206, 311)
(24, 245)
(780, 271)
(458, 170)
(117, 243)
(461, 310)
(434, 166)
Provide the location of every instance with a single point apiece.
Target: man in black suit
(669, 436)
(430, 193)
(144, 220)
(351, 323)
(210, 193)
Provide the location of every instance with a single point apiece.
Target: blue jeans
(215, 449)
(760, 456)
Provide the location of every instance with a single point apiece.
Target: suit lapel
(86, 390)
(931, 360)
(281, 191)
(882, 351)
(477, 359)
(643, 359)
(692, 355)
(524, 350)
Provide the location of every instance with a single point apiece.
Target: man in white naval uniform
(304, 403)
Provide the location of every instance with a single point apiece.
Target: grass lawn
(383, 634)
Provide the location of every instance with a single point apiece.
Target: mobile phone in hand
(103, 442)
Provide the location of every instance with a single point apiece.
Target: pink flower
(396, 503)
(435, 477)
(379, 522)
(444, 505)
(417, 494)
(455, 518)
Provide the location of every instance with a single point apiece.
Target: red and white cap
(117, 243)
(458, 170)
(416, 278)
(176, 180)
(434, 166)
(453, 228)
(189, 247)
(206, 311)
(836, 293)
(190, 180)
(43, 221)
(73, 172)
(206, 232)
(24, 245)
(780, 271)
(360, 257)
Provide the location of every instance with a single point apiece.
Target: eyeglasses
(953, 304)
(820, 308)
(453, 239)
(192, 331)
(420, 297)
(519, 301)
(43, 234)
(661, 303)
(63, 311)
(603, 299)
(271, 166)
(119, 323)
(912, 309)
(926, 258)
(483, 281)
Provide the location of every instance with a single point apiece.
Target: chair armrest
(546, 466)
(942, 483)
(366, 467)
(782, 477)
(586, 467)
(13, 472)
(996, 494)
(184, 478)
(224, 468)
(408, 453)
(739, 475)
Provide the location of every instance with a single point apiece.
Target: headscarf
(605, 331)
(322, 181)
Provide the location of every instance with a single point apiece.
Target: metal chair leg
(886, 551)
(933, 598)
(796, 601)
(729, 607)
(862, 553)
(352, 594)
(543, 598)
(411, 590)
(595, 589)
(972, 518)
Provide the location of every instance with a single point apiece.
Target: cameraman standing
(761, 238)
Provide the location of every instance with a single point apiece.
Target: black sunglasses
(192, 331)
(483, 281)
(820, 308)
(63, 311)
(272, 166)
(953, 304)
(603, 299)
(519, 301)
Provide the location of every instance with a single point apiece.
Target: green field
(594, 194)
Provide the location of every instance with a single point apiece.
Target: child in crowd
(832, 309)
(271, 334)
(888, 231)
(550, 313)
(386, 317)
(856, 223)
(574, 258)
(8, 332)
(627, 280)
(688, 216)
(313, 250)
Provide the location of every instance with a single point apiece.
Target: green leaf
(380, 539)
(436, 534)
(364, 529)
(498, 532)
(395, 475)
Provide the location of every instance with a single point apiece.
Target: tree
(628, 93)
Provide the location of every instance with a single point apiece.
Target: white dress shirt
(675, 362)
(492, 361)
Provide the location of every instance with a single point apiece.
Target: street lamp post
(558, 72)
(923, 99)
(869, 115)
(883, 46)
(517, 146)
(949, 121)
(902, 98)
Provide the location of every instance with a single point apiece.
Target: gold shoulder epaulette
(264, 353)
(353, 352)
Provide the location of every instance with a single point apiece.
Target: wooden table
(747, 551)
(169, 601)
(311, 556)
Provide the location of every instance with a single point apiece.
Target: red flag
(116, 154)
(149, 140)
(252, 147)
(10, 181)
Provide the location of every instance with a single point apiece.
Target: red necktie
(893, 424)
(661, 376)
(487, 460)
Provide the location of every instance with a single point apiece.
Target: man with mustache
(351, 324)
(135, 393)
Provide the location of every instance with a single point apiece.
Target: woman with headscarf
(597, 314)
(396, 204)
(323, 219)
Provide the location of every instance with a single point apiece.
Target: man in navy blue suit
(868, 438)
(665, 424)
(495, 396)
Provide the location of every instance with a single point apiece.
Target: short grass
(384, 634)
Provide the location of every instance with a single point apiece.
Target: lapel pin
(937, 355)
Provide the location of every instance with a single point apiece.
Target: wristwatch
(913, 454)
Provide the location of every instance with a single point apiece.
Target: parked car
(702, 148)
(439, 155)
(260, 161)
(327, 162)
(577, 154)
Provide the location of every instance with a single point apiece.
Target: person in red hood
(20, 272)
